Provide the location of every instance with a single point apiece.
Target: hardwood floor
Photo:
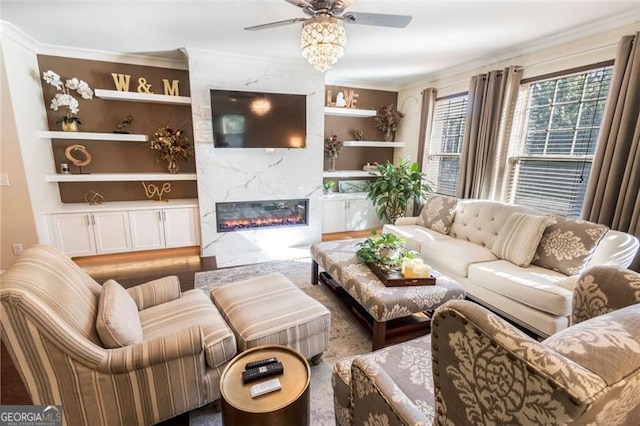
(130, 269)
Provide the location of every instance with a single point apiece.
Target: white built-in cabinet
(87, 233)
(348, 212)
(160, 228)
(117, 227)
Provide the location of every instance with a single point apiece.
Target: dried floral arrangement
(64, 98)
(332, 147)
(388, 118)
(171, 144)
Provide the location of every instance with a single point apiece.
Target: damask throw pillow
(567, 244)
(438, 213)
(118, 323)
(519, 238)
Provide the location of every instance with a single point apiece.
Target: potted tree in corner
(395, 187)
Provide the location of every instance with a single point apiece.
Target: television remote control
(265, 387)
(262, 372)
(260, 363)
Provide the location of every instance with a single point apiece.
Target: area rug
(346, 338)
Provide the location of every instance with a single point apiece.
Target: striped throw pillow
(118, 323)
(519, 238)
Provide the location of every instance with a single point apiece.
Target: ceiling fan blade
(275, 24)
(378, 19)
(300, 3)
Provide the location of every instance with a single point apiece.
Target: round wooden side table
(287, 406)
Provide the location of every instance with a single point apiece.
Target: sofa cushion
(534, 286)
(567, 245)
(480, 221)
(414, 235)
(193, 308)
(519, 238)
(438, 213)
(454, 256)
(117, 323)
(608, 345)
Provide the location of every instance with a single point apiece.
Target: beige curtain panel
(614, 185)
(491, 98)
(428, 105)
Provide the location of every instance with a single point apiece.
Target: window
(444, 144)
(554, 137)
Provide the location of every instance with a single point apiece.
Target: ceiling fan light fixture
(323, 40)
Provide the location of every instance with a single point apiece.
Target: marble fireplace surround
(235, 175)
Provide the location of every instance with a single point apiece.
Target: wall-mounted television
(258, 119)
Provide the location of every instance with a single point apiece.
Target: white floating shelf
(347, 173)
(119, 177)
(117, 95)
(374, 144)
(350, 112)
(89, 136)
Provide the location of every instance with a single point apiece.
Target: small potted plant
(332, 147)
(328, 185)
(387, 120)
(385, 251)
(64, 99)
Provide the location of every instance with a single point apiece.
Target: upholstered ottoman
(271, 310)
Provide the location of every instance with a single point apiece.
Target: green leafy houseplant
(395, 187)
(384, 250)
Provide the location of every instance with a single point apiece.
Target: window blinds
(556, 128)
(444, 144)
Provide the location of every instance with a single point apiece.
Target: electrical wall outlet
(4, 179)
(17, 249)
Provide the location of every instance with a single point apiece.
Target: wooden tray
(395, 278)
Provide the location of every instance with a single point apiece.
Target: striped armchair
(49, 310)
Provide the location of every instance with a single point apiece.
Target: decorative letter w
(121, 81)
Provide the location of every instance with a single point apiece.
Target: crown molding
(553, 40)
(170, 59)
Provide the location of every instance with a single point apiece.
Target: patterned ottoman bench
(271, 310)
(391, 314)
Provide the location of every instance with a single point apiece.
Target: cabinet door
(147, 229)
(180, 227)
(334, 214)
(372, 218)
(73, 233)
(357, 213)
(111, 231)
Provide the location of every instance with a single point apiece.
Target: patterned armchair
(53, 322)
(475, 368)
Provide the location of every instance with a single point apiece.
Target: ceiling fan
(323, 34)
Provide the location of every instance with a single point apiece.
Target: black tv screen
(258, 120)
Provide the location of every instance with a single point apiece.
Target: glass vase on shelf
(172, 166)
(332, 164)
(388, 135)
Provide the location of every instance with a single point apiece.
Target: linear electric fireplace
(240, 216)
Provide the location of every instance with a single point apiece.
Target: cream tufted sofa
(536, 297)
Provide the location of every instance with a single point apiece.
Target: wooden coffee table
(390, 314)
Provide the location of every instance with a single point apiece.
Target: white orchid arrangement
(64, 98)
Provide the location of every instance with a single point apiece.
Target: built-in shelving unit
(119, 177)
(90, 136)
(350, 112)
(347, 173)
(117, 95)
(373, 144)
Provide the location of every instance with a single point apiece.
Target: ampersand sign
(73, 148)
(143, 87)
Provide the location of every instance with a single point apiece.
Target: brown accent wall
(102, 116)
(351, 158)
